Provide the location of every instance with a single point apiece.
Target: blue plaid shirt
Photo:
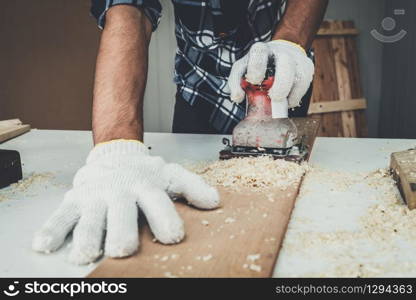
(211, 35)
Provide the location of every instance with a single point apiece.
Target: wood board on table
(219, 243)
(240, 239)
(12, 128)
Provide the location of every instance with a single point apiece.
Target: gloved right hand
(119, 176)
(294, 71)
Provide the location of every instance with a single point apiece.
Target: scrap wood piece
(403, 167)
(12, 128)
(241, 239)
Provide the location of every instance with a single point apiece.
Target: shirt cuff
(151, 8)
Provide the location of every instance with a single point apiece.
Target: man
(219, 42)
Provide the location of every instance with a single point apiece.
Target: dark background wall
(47, 57)
(398, 102)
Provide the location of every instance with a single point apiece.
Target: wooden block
(12, 128)
(403, 167)
(249, 225)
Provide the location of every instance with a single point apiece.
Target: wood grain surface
(220, 243)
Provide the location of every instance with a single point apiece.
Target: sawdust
(2, 197)
(207, 257)
(252, 262)
(385, 231)
(25, 186)
(205, 222)
(204, 258)
(341, 181)
(169, 275)
(254, 267)
(229, 220)
(253, 257)
(255, 173)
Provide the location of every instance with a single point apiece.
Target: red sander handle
(261, 88)
(258, 100)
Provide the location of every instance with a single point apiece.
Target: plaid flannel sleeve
(151, 8)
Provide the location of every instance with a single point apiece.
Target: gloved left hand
(119, 177)
(293, 74)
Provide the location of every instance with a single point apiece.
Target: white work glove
(119, 177)
(293, 74)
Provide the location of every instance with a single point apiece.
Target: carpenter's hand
(119, 177)
(293, 75)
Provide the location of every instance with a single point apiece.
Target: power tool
(266, 129)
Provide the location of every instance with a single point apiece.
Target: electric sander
(266, 129)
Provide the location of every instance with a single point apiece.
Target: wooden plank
(12, 128)
(337, 31)
(344, 88)
(336, 106)
(403, 167)
(218, 249)
(355, 81)
(325, 84)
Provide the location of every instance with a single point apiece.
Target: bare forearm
(121, 74)
(301, 21)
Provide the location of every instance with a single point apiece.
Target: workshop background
(49, 47)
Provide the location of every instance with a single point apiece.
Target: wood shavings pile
(252, 259)
(341, 181)
(34, 178)
(382, 245)
(24, 186)
(251, 172)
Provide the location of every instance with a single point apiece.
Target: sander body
(266, 129)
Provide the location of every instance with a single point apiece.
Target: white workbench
(63, 152)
